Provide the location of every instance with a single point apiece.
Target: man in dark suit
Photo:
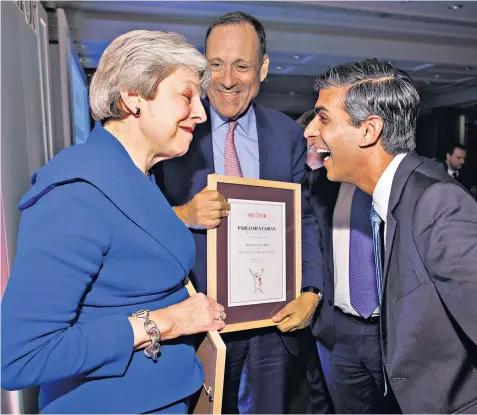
(454, 165)
(424, 227)
(347, 336)
(455, 160)
(242, 140)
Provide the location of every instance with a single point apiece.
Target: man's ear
(131, 100)
(372, 129)
(264, 68)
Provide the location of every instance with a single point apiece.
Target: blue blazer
(282, 154)
(97, 241)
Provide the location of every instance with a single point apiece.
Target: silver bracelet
(153, 350)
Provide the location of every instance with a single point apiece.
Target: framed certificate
(254, 256)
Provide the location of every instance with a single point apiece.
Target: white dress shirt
(382, 191)
(453, 173)
(341, 231)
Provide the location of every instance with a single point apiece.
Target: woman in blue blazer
(99, 243)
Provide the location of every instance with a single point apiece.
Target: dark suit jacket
(463, 177)
(282, 152)
(429, 309)
(323, 196)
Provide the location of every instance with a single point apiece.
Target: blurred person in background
(455, 160)
(454, 165)
(309, 394)
(95, 311)
(313, 158)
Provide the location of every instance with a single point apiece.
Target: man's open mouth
(325, 154)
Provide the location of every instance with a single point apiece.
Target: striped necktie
(378, 257)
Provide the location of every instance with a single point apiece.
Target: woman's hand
(197, 314)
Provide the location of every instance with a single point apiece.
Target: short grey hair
(137, 62)
(377, 88)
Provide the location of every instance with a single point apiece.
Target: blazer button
(330, 303)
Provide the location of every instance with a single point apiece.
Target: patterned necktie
(378, 260)
(232, 163)
(362, 273)
(378, 257)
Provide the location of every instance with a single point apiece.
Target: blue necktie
(378, 258)
(362, 273)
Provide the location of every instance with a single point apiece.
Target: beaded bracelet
(153, 350)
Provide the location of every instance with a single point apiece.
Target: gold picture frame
(236, 188)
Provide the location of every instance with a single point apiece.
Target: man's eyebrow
(320, 109)
(241, 60)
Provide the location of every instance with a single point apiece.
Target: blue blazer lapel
(104, 163)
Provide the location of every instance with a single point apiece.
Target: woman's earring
(138, 112)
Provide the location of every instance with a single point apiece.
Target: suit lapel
(390, 231)
(104, 163)
(140, 199)
(323, 196)
(333, 196)
(200, 158)
(407, 166)
(267, 155)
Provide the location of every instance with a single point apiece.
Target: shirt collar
(382, 191)
(451, 171)
(245, 121)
